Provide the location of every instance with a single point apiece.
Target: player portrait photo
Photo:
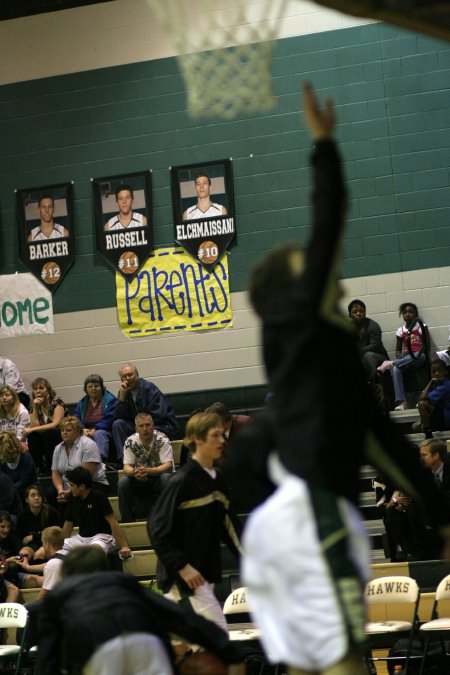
(123, 220)
(46, 231)
(203, 209)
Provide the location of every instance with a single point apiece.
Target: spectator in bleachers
(434, 403)
(53, 543)
(412, 350)
(444, 354)
(9, 497)
(32, 520)
(76, 450)
(90, 511)
(9, 549)
(96, 411)
(394, 504)
(191, 518)
(14, 416)
(231, 422)
(138, 395)
(46, 414)
(9, 375)
(370, 342)
(427, 538)
(8, 591)
(53, 556)
(147, 457)
(15, 463)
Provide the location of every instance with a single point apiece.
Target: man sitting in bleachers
(148, 456)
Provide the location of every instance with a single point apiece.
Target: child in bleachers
(9, 549)
(434, 404)
(411, 349)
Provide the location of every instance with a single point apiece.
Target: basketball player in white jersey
(205, 208)
(47, 229)
(126, 218)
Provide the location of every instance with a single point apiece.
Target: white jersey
(36, 233)
(194, 213)
(137, 220)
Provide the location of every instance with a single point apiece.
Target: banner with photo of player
(46, 231)
(124, 220)
(203, 209)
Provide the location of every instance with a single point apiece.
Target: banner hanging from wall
(46, 229)
(203, 209)
(123, 215)
(172, 293)
(26, 307)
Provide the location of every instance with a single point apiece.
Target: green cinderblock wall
(391, 88)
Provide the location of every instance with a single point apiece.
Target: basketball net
(225, 55)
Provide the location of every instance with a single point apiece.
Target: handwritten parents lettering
(171, 292)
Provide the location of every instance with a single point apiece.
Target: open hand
(320, 122)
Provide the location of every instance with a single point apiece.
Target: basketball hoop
(225, 55)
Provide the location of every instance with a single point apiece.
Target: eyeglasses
(93, 384)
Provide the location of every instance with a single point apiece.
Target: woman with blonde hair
(76, 450)
(14, 417)
(15, 463)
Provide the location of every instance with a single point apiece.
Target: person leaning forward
(138, 395)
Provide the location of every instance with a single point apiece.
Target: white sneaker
(401, 406)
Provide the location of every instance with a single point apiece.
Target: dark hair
(95, 379)
(220, 409)
(355, 303)
(4, 515)
(274, 274)
(438, 362)
(79, 476)
(46, 197)
(43, 514)
(119, 188)
(404, 305)
(84, 560)
(200, 174)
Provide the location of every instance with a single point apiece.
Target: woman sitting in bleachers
(14, 416)
(96, 412)
(76, 450)
(35, 517)
(43, 433)
(15, 463)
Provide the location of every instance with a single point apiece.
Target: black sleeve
(161, 525)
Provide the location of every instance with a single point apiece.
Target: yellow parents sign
(172, 292)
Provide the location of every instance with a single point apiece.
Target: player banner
(26, 307)
(170, 293)
(124, 220)
(46, 230)
(203, 209)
